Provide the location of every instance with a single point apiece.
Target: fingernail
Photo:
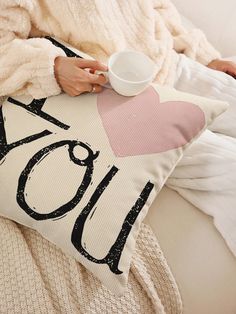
(105, 66)
(106, 80)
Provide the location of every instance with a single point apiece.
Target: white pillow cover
(83, 171)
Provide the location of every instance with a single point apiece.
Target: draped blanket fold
(37, 277)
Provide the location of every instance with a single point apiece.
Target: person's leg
(206, 175)
(192, 77)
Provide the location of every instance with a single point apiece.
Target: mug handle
(107, 85)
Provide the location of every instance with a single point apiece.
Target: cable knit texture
(36, 277)
(97, 27)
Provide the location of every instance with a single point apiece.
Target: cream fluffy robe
(97, 27)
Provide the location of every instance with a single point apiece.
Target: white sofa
(217, 18)
(202, 264)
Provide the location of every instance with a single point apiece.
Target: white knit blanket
(36, 277)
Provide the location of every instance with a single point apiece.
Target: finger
(87, 77)
(98, 79)
(231, 71)
(72, 92)
(91, 88)
(92, 64)
(84, 87)
(78, 89)
(97, 88)
(231, 74)
(231, 68)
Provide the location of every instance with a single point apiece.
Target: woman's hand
(228, 67)
(74, 80)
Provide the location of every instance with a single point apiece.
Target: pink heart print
(142, 124)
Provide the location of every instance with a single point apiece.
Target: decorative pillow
(83, 171)
(88, 188)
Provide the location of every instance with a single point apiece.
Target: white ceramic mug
(130, 72)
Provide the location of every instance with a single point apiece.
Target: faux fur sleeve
(26, 65)
(193, 43)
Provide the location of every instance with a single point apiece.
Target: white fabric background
(217, 18)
